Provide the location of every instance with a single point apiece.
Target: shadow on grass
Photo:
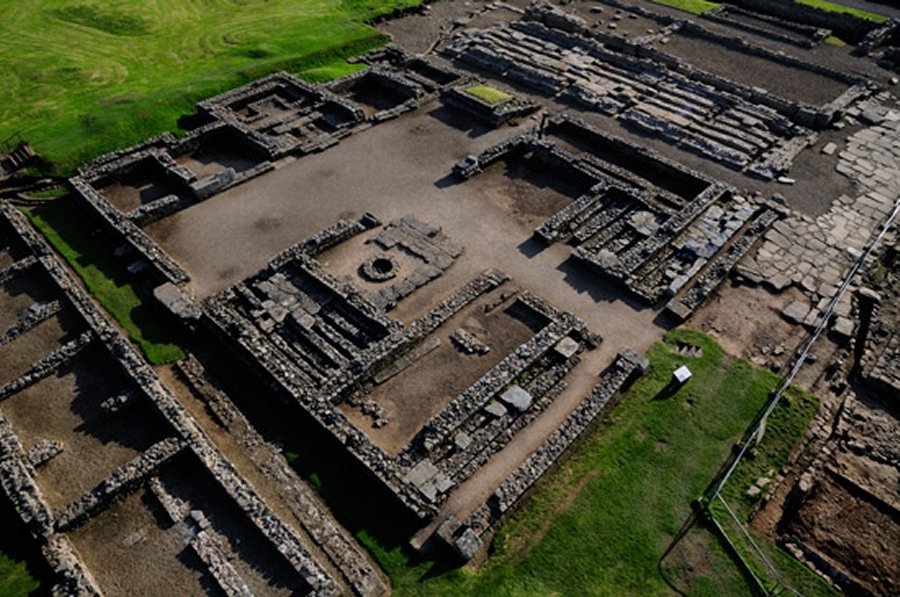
(16, 546)
(690, 551)
(82, 247)
(668, 391)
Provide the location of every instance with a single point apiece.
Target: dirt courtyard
(417, 393)
(397, 168)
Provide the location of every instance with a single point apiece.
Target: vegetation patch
(14, 577)
(783, 431)
(698, 7)
(754, 477)
(21, 564)
(103, 18)
(832, 7)
(329, 71)
(85, 78)
(603, 522)
(66, 231)
(488, 94)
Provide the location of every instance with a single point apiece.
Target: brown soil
(19, 355)
(66, 407)
(136, 189)
(788, 82)
(21, 292)
(849, 527)
(159, 563)
(745, 319)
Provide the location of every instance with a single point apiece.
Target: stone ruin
(255, 126)
(788, 32)
(327, 344)
(328, 348)
(344, 569)
(748, 129)
(676, 242)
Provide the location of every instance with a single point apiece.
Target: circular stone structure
(380, 268)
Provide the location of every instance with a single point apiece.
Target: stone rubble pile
(467, 343)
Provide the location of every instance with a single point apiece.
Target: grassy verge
(488, 94)
(783, 431)
(84, 78)
(698, 7)
(831, 7)
(14, 577)
(603, 521)
(69, 234)
(22, 570)
(782, 434)
(329, 71)
(53, 193)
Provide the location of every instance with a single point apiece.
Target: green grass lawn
(488, 94)
(783, 431)
(82, 77)
(14, 577)
(697, 7)
(601, 523)
(832, 7)
(93, 262)
(21, 563)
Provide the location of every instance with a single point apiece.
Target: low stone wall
(23, 491)
(17, 482)
(465, 537)
(315, 518)
(17, 268)
(803, 35)
(122, 229)
(846, 26)
(29, 319)
(122, 480)
(46, 366)
(494, 114)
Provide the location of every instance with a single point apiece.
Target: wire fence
(751, 553)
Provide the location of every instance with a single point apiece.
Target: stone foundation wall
(465, 537)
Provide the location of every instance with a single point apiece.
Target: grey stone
(517, 397)
(796, 312)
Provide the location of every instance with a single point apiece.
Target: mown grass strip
(601, 523)
(488, 94)
(698, 7)
(69, 234)
(839, 8)
(85, 78)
